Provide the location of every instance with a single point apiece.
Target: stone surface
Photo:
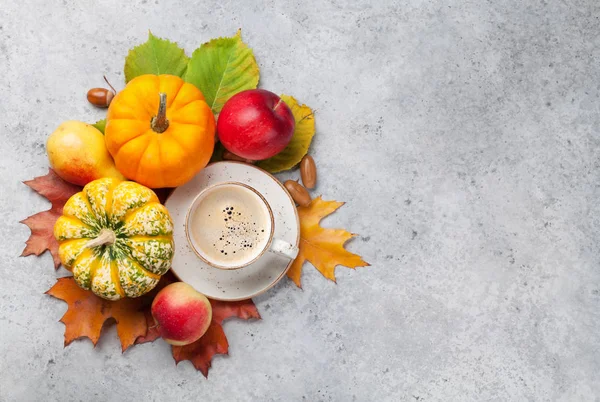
(464, 137)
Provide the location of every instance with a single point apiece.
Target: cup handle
(284, 249)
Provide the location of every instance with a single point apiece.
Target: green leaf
(100, 125)
(156, 56)
(221, 68)
(298, 146)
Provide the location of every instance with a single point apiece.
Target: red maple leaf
(214, 341)
(57, 191)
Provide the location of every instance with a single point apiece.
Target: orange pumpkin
(160, 131)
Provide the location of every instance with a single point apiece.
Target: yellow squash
(160, 131)
(116, 238)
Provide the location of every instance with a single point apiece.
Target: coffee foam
(230, 226)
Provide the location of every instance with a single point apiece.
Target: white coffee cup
(231, 225)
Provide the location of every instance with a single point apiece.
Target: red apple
(181, 313)
(255, 124)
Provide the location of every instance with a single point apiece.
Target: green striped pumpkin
(116, 238)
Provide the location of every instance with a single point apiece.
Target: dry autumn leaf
(214, 341)
(57, 191)
(152, 333)
(323, 248)
(201, 352)
(87, 313)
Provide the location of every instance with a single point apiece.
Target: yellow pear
(77, 153)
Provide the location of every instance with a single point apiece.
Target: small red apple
(181, 313)
(255, 124)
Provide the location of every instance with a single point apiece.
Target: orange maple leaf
(323, 248)
(87, 314)
(57, 191)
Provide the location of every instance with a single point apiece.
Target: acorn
(101, 97)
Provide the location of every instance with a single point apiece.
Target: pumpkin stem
(106, 236)
(160, 122)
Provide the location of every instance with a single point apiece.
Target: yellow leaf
(323, 248)
(298, 146)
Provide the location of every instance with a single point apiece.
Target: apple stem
(106, 236)
(277, 104)
(160, 122)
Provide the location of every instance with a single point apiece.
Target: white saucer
(254, 279)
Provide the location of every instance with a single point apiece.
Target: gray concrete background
(464, 137)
